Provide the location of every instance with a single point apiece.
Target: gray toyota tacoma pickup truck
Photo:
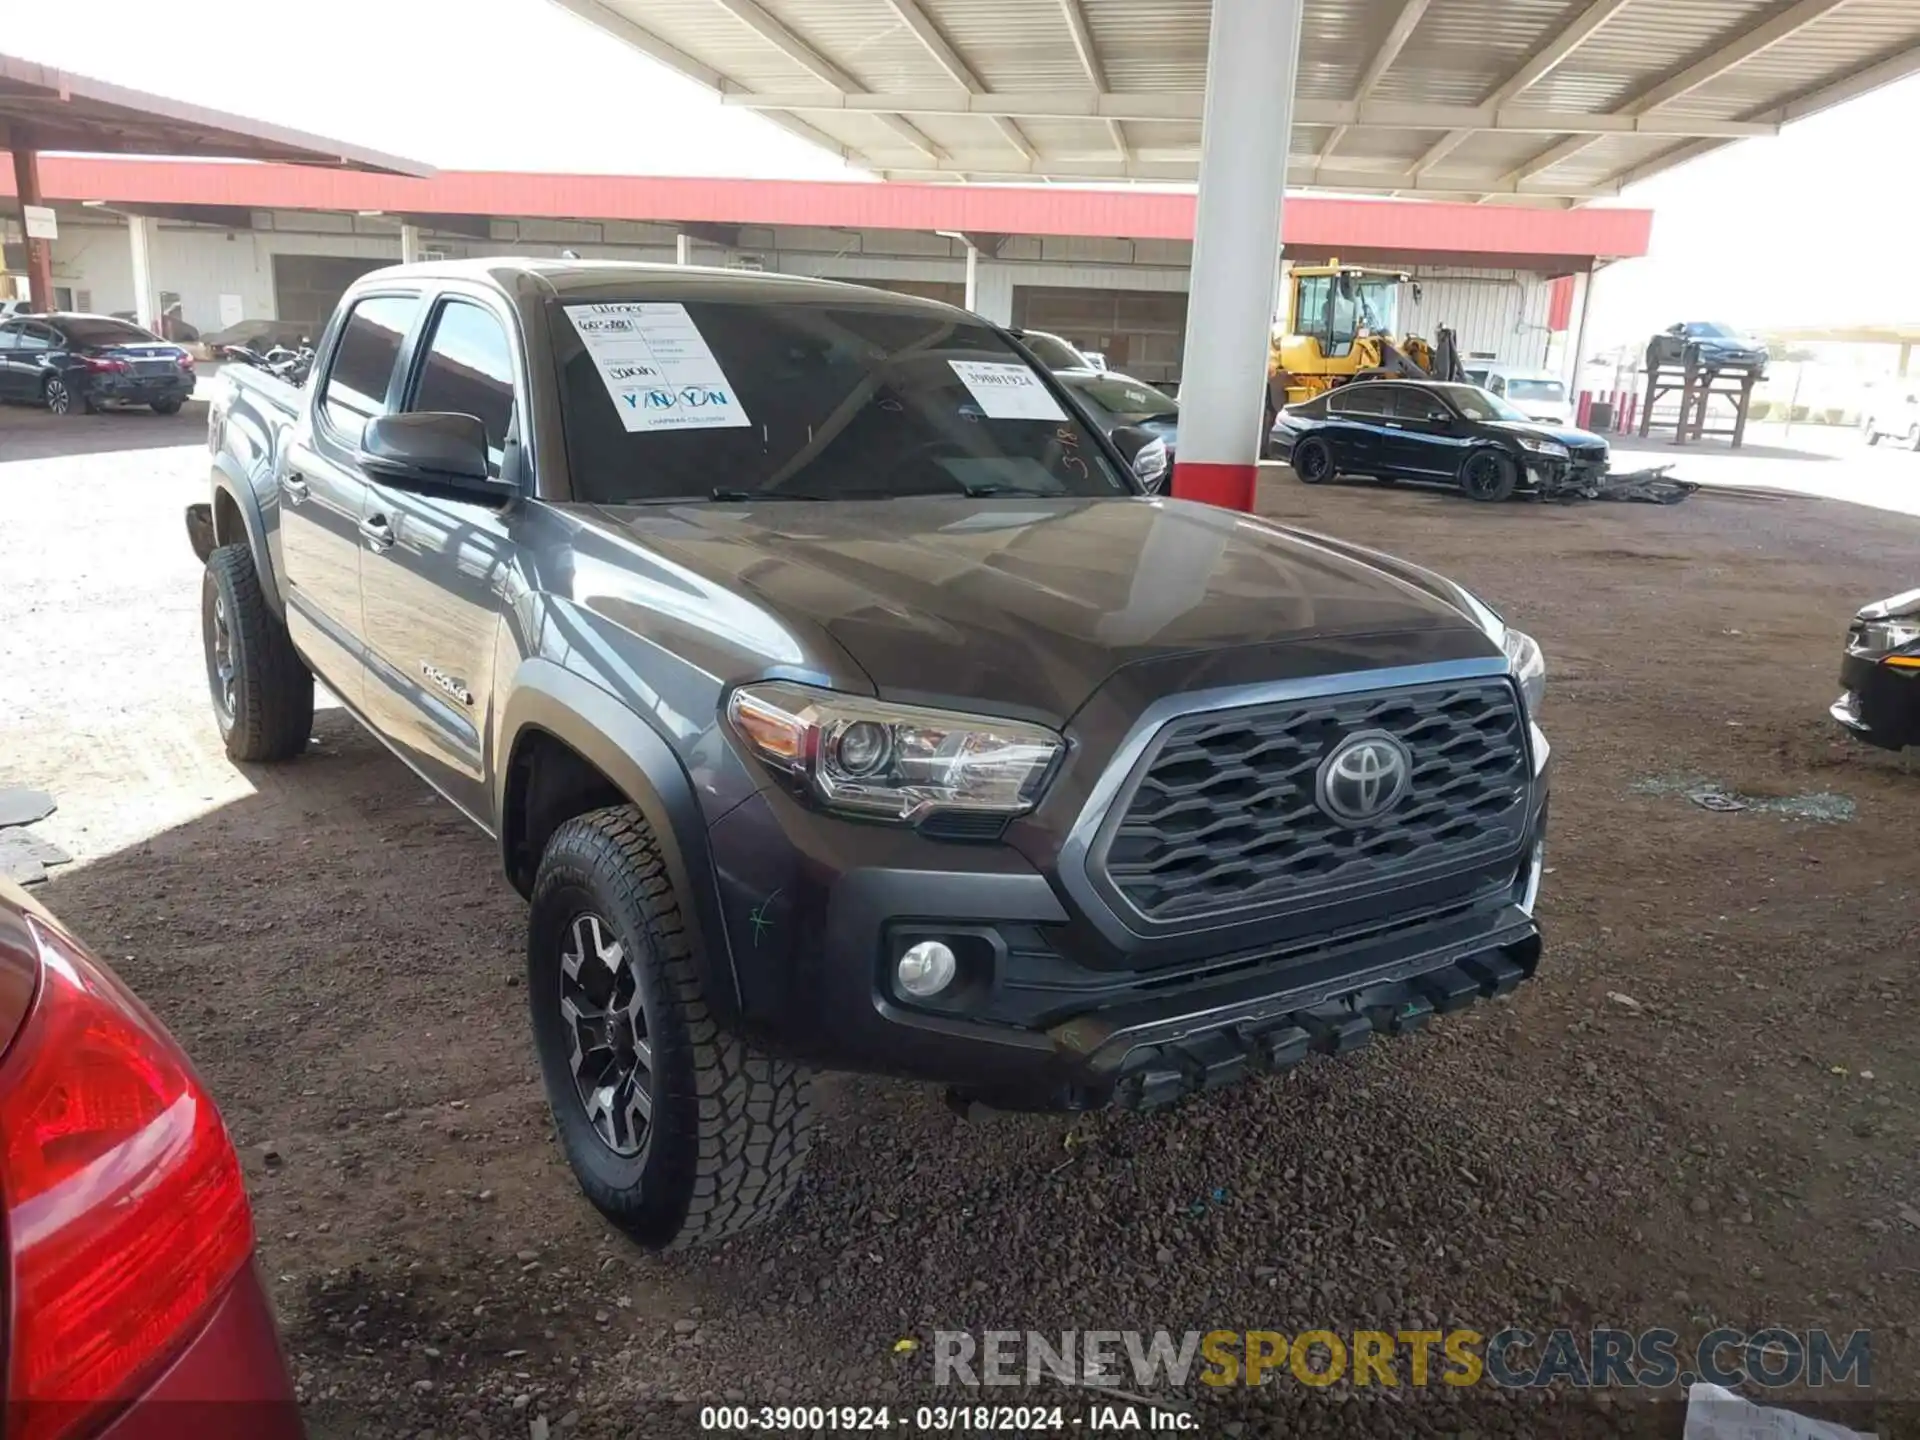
(838, 698)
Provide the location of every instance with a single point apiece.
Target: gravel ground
(1731, 1143)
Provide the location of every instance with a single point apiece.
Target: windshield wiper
(733, 495)
(988, 488)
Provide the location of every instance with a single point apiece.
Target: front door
(435, 580)
(1421, 437)
(324, 496)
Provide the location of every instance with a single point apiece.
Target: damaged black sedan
(1880, 675)
(1432, 431)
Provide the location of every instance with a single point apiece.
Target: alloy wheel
(59, 398)
(1482, 477)
(611, 1054)
(222, 667)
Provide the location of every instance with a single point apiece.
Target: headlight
(1543, 447)
(894, 762)
(1883, 637)
(1150, 463)
(1529, 666)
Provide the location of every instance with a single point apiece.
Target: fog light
(925, 969)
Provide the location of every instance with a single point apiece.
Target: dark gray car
(837, 699)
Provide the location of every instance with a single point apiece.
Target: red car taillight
(125, 1213)
(111, 367)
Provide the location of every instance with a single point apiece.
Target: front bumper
(1048, 1013)
(1879, 703)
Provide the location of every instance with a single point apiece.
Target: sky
(1813, 226)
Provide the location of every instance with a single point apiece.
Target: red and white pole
(1253, 52)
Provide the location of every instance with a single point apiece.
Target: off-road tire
(272, 710)
(1489, 475)
(729, 1130)
(1318, 454)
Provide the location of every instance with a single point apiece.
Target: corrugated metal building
(217, 263)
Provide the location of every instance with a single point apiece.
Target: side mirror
(1147, 454)
(431, 450)
(1130, 440)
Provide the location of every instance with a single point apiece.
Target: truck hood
(1025, 606)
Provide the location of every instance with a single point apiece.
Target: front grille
(1222, 814)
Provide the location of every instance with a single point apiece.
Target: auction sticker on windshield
(1007, 392)
(657, 367)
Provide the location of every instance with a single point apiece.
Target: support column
(683, 249)
(1253, 51)
(26, 186)
(1906, 354)
(146, 310)
(409, 244)
(1577, 333)
(973, 278)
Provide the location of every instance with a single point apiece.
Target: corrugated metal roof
(1444, 97)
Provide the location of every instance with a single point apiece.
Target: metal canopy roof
(46, 109)
(1532, 101)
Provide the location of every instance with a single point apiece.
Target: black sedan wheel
(58, 395)
(1313, 461)
(1489, 475)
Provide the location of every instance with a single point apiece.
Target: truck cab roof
(629, 279)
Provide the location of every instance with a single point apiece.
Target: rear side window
(35, 338)
(9, 336)
(363, 363)
(1361, 399)
(469, 371)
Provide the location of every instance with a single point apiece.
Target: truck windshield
(1521, 388)
(799, 400)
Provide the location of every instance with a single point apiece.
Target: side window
(9, 336)
(469, 371)
(1406, 403)
(1497, 385)
(1363, 399)
(363, 363)
(35, 339)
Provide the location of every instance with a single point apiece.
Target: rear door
(1358, 411)
(324, 495)
(435, 580)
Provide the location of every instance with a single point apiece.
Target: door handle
(293, 487)
(377, 532)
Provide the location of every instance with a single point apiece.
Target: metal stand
(1696, 385)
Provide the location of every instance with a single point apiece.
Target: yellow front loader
(1342, 324)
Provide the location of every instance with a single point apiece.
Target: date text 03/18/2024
(1098, 1417)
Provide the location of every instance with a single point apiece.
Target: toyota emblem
(1364, 777)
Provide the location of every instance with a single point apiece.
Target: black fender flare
(630, 752)
(228, 480)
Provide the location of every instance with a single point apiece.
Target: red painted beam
(1312, 222)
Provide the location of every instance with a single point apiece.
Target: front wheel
(262, 693)
(1489, 475)
(1313, 461)
(677, 1131)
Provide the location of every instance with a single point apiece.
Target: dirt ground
(1733, 1143)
